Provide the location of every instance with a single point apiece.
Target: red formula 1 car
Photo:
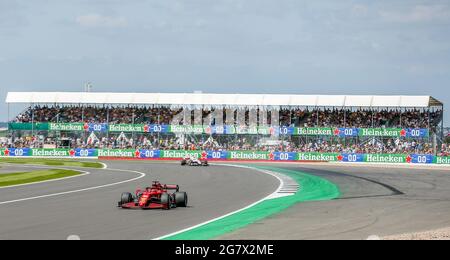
(155, 197)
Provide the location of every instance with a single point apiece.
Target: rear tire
(126, 198)
(166, 201)
(181, 199)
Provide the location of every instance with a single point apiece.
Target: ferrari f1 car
(158, 196)
(192, 161)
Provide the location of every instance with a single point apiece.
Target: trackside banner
(222, 130)
(441, 160)
(226, 155)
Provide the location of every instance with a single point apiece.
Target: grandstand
(310, 123)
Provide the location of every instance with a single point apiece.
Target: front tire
(126, 198)
(166, 201)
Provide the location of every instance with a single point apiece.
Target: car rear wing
(172, 187)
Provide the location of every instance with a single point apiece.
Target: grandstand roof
(225, 100)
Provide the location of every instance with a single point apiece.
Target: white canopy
(226, 100)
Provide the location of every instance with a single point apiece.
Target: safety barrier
(226, 155)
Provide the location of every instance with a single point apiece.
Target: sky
(384, 47)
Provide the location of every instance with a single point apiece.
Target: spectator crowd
(360, 118)
(364, 118)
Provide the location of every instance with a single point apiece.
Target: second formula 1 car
(158, 196)
(192, 161)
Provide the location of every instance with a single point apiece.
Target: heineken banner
(393, 132)
(88, 127)
(222, 130)
(381, 132)
(387, 158)
(84, 152)
(323, 157)
(16, 152)
(226, 155)
(67, 127)
(281, 156)
(316, 131)
(351, 157)
(441, 160)
(116, 153)
(64, 127)
(183, 129)
(52, 152)
(139, 128)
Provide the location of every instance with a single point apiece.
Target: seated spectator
(360, 118)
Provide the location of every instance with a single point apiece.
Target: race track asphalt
(376, 201)
(92, 214)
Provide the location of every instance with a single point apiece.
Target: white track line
(273, 195)
(141, 175)
(84, 173)
(104, 165)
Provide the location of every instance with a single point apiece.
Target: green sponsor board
(116, 153)
(2, 152)
(380, 132)
(50, 152)
(126, 128)
(441, 160)
(385, 158)
(65, 127)
(28, 126)
(253, 130)
(175, 154)
(249, 130)
(187, 129)
(263, 131)
(314, 131)
(323, 157)
(244, 155)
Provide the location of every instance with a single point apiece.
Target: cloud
(418, 13)
(360, 10)
(96, 20)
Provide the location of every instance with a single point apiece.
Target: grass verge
(11, 179)
(52, 162)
